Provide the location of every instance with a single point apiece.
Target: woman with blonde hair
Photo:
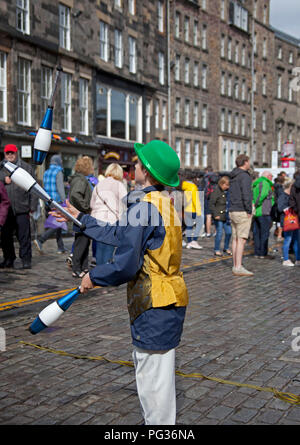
(80, 198)
(107, 206)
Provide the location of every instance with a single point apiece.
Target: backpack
(211, 185)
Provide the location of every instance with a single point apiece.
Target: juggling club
(23, 179)
(53, 311)
(42, 140)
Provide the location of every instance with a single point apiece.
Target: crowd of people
(137, 240)
(244, 206)
(101, 197)
(234, 208)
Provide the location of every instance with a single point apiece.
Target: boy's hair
(115, 171)
(287, 183)
(241, 160)
(223, 180)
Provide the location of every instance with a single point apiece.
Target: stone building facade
(114, 71)
(244, 113)
(211, 77)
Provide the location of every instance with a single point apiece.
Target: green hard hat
(160, 160)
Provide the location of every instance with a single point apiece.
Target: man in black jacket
(18, 218)
(240, 211)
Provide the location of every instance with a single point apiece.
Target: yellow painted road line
(52, 295)
(34, 299)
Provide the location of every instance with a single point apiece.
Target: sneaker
(183, 243)
(62, 251)
(69, 260)
(193, 245)
(242, 272)
(38, 245)
(288, 263)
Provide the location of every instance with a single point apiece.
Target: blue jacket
(139, 229)
(50, 182)
(283, 203)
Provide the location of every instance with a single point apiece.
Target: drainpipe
(252, 88)
(169, 74)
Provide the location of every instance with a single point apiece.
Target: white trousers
(155, 381)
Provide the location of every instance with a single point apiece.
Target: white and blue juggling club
(23, 179)
(53, 311)
(42, 140)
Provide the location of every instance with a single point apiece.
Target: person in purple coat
(4, 204)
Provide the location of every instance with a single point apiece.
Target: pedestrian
(177, 198)
(294, 200)
(107, 206)
(240, 212)
(210, 182)
(80, 197)
(4, 205)
(148, 256)
(54, 185)
(18, 217)
(218, 203)
(263, 201)
(93, 180)
(291, 237)
(192, 212)
(278, 189)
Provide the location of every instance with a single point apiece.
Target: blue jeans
(220, 226)
(59, 239)
(291, 236)
(261, 231)
(104, 252)
(194, 224)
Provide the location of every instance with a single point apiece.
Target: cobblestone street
(236, 328)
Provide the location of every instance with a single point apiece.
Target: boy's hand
(86, 284)
(62, 218)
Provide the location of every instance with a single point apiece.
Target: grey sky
(285, 16)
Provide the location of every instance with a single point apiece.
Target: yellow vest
(191, 198)
(159, 282)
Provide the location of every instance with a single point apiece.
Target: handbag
(291, 220)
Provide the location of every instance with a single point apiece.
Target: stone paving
(236, 328)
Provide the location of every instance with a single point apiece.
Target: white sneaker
(288, 263)
(183, 243)
(193, 245)
(241, 272)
